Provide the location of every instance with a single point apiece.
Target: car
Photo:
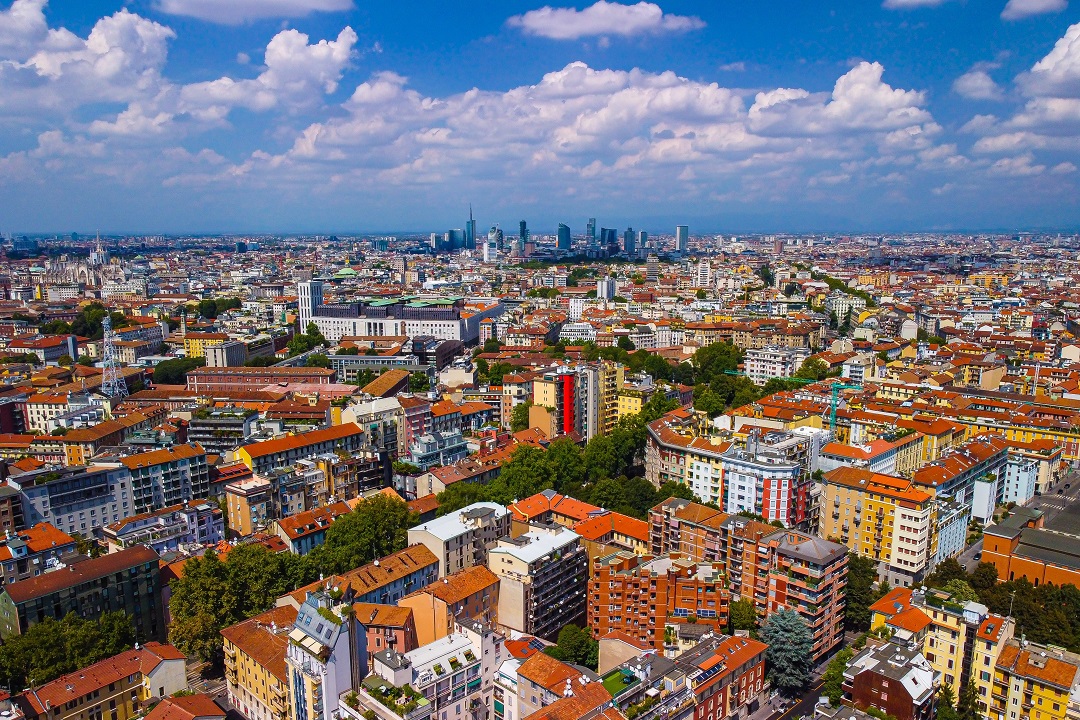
(1060, 490)
(978, 556)
(1068, 485)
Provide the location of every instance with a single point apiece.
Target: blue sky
(163, 116)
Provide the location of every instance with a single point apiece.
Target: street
(1051, 503)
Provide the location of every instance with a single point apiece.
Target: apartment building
(771, 477)
(961, 641)
(542, 580)
(452, 677)
(121, 687)
(892, 679)
(469, 594)
(809, 575)
(76, 499)
(382, 582)
(765, 363)
(886, 518)
(125, 581)
(969, 473)
(223, 429)
(1043, 681)
(28, 553)
(214, 379)
(642, 596)
(196, 523)
(255, 672)
(386, 626)
(674, 453)
(306, 530)
(262, 457)
(324, 658)
(163, 478)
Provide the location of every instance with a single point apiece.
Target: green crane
(834, 392)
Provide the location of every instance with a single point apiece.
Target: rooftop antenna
(112, 384)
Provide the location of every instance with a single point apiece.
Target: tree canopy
(51, 648)
(174, 372)
(576, 646)
(789, 653)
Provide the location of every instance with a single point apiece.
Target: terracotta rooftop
(255, 637)
(292, 442)
(80, 572)
(455, 587)
(186, 707)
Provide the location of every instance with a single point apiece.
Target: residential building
(1043, 681)
(809, 575)
(124, 581)
(886, 518)
(470, 594)
(437, 448)
(452, 677)
(770, 477)
(674, 455)
(221, 430)
(269, 455)
(542, 580)
(121, 687)
(894, 680)
(306, 530)
(249, 504)
(164, 478)
(255, 670)
(195, 524)
(969, 473)
(382, 582)
(460, 539)
(28, 553)
(765, 363)
(386, 626)
(643, 596)
(76, 499)
(324, 658)
(542, 681)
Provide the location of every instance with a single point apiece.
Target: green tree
(946, 703)
(378, 526)
(351, 350)
(967, 705)
(86, 361)
(317, 360)
(860, 595)
(701, 294)
(525, 474)
(789, 653)
(65, 360)
(742, 615)
(833, 680)
(51, 648)
(607, 493)
(948, 569)
(208, 309)
(261, 361)
(961, 591)
(174, 372)
(519, 416)
(600, 458)
(813, 368)
(461, 494)
(984, 577)
(564, 456)
(708, 402)
(625, 343)
(577, 646)
(419, 382)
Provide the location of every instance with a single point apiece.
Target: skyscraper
(491, 247)
(523, 238)
(682, 238)
(642, 241)
(590, 230)
(628, 241)
(470, 231)
(564, 237)
(609, 242)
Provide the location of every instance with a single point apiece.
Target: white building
(319, 658)
(841, 304)
(1021, 474)
(460, 539)
(763, 364)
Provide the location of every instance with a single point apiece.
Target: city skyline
(322, 116)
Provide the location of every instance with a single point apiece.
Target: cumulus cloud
(977, 84)
(1057, 74)
(602, 18)
(235, 12)
(1020, 9)
(22, 26)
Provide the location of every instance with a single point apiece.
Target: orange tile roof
(911, 619)
(39, 538)
(1037, 664)
(292, 442)
(547, 672)
(186, 707)
(598, 526)
(897, 600)
(94, 569)
(421, 505)
(74, 685)
(371, 576)
(374, 615)
(311, 521)
(256, 639)
(160, 457)
(456, 587)
(586, 699)
(386, 382)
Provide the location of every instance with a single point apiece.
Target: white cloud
(1058, 73)
(1020, 166)
(1019, 9)
(860, 101)
(977, 85)
(908, 4)
(22, 26)
(235, 12)
(602, 18)
(1064, 168)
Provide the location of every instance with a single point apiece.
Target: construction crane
(834, 392)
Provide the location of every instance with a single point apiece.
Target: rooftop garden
(617, 681)
(401, 700)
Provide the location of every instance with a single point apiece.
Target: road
(1051, 503)
(804, 706)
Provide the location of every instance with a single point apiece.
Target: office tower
(652, 268)
(434, 241)
(470, 231)
(491, 247)
(608, 240)
(628, 241)
(523, 238)
(682, 238)
(564, 237)
(523, 228)
(590, 230)
(642, 240)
